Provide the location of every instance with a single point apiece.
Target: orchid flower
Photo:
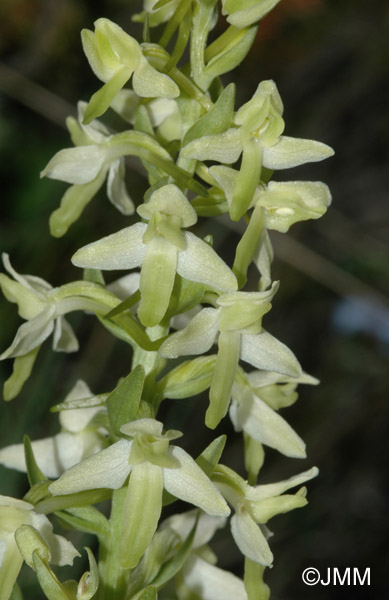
(248, 412)
(163, 249)
(87, 166)
(153, 465)
(256, 136)
(114, 57)
(243, 13)
(36, 303)
(156, 16)
(255, 505)
(237, 325)
(198, 574)
(15, 515)
(81, 435)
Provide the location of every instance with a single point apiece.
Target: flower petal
(106, 469)
(77, 419)
(196, 338)
(116, 188)
(264, 351)
(53, 455)
(28, 301)
(291, 152)
(156, 280)
(64, 338)
(223, 377)
(200, 263)
(142, 511)
(22, 368)
(76, 165)
(125, 286)
(31, 334)
(36, 284)
(73, 202)
(250, 539)
(101, 100)
(189, 483)
(263, 424)
(121, 250)
(260, 492)
(206, 526)
(150, 83)
(248, 12)
(223, 147)
(211, 583)
(62, 551)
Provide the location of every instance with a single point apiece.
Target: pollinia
(204, 158)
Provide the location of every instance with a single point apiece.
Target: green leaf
(172, 566)
(123, 306)
(34, 473)
(123, 402)
(185, 296)
(85, 518)
(217, 120)
(210, 457)
(56, 503)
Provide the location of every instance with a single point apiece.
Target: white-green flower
(162, 249)
(80, 437)
(256, 505)
(252, 415)
(242, 13)
(283, 203)
(34, 298)
(278, 391)
(44, 316)
(237, 326)
(156, 16)
(14, 515)
(198, 574)
(87, 166)
(114, 57)
(153, 465)
(257, 136)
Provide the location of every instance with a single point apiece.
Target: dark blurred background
(330, 61)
